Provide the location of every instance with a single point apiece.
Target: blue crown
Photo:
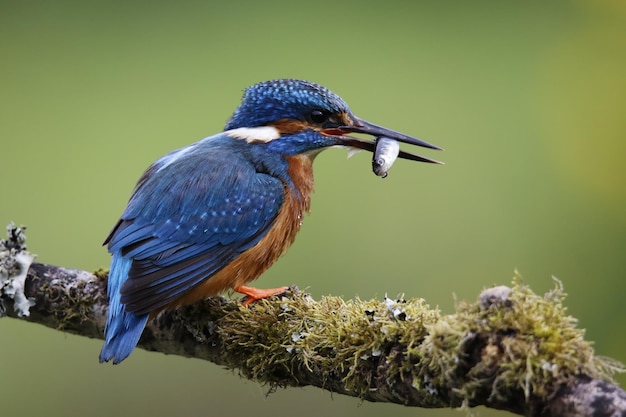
(274, 100)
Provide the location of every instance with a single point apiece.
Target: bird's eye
(318, 116)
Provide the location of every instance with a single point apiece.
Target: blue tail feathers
(123, 329)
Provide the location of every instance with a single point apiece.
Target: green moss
(101, 273)
(522, 344)
(344, 340)
(528, 343)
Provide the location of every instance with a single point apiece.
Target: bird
(213, 216)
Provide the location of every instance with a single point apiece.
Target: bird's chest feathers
(297, 203)
(301, 173)
(256, 260)
(289, 219)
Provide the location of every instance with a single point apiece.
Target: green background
(528, 99)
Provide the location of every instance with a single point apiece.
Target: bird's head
(294, 117)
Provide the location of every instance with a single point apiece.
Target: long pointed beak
(363, 126)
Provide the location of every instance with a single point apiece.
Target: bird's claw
(255, 294)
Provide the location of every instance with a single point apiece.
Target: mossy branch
(511, 349)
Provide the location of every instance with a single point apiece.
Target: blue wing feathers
(123, 329)
(191, 214)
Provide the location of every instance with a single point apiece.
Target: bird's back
(206, 219)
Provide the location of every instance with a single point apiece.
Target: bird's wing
(190, 216)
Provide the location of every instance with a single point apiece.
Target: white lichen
(15, 261)
(13, 286)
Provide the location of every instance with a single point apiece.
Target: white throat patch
(262, 134)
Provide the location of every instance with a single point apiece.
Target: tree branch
(511, 350)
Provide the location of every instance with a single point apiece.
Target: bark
(511, 349)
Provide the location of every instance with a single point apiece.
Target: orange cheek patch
(345, 120)
(290, 126)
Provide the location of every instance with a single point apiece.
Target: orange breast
(256, 260)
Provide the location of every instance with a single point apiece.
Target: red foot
(255, 294)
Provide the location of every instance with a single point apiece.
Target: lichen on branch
(510, 349)
(511, 343)
(15, 261)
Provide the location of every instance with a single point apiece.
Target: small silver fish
(387, 151)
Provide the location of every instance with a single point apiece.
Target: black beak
(362, 126)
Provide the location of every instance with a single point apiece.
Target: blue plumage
(201, 202)
(222, 210)
(273, 100)
(207, 202)
(123, 329)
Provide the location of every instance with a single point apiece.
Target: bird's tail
(123, 329)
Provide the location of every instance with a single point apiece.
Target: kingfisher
(215, 215)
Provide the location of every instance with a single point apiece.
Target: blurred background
(527, 98)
